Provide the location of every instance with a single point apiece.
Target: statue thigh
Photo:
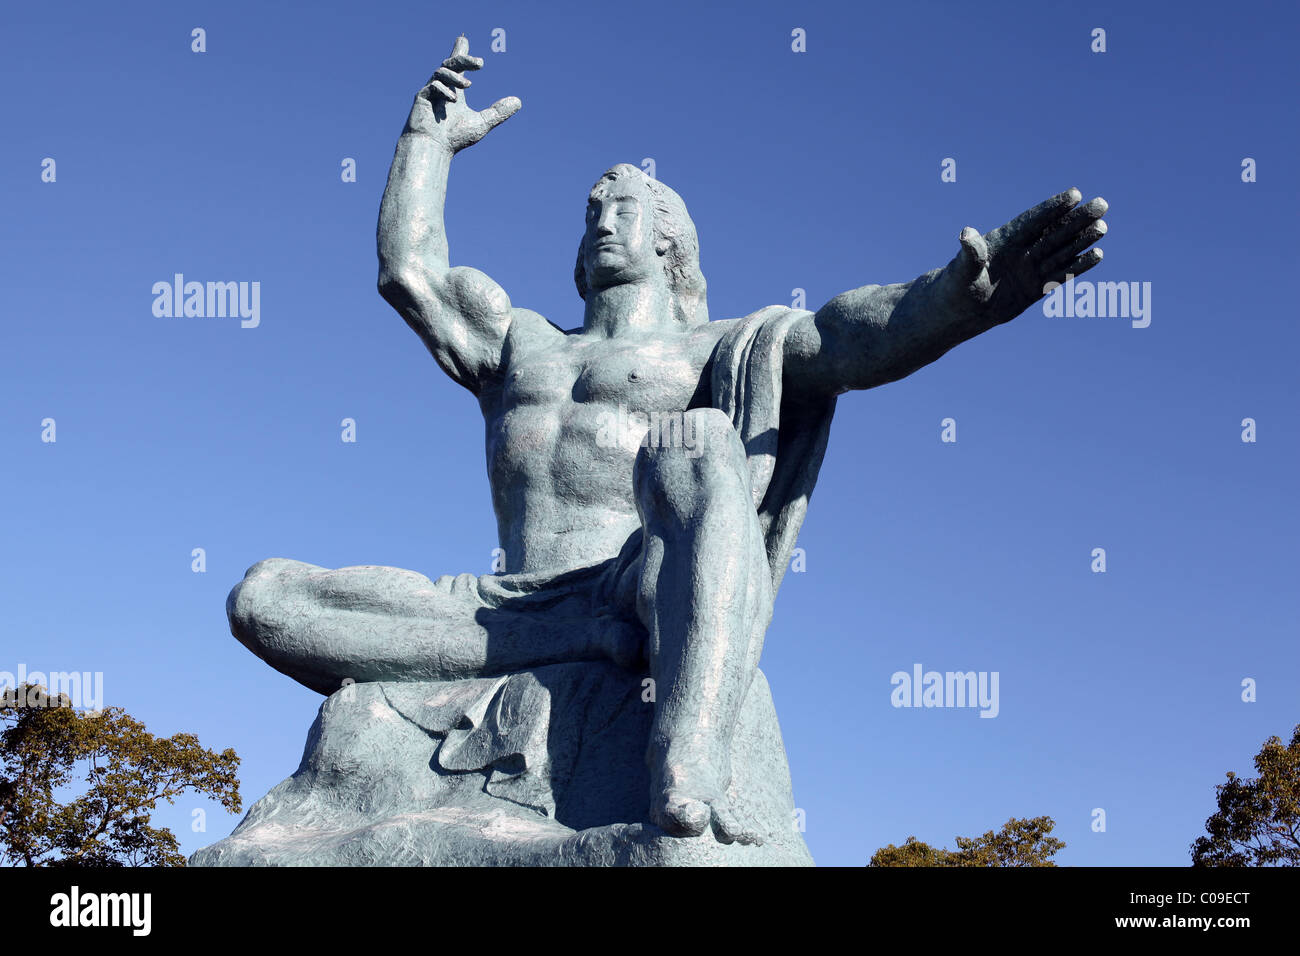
(703, 566)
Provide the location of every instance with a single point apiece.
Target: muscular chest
(643, 376)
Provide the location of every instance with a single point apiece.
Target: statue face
(620, 242)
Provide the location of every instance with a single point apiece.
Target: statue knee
(250, 604)
(243, 610)
(709, 433)
(683, 469)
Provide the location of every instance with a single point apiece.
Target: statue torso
(563, 434)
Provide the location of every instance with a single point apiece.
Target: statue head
(657, 234)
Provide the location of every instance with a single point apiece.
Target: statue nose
(608, 219)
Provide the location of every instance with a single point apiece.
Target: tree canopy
(1258, 820)
(1019, 843)
(121, 771)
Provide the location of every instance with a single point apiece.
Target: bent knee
(266, 586)
(698, 434)
(707, 462)
(276, 566)
(244, 606)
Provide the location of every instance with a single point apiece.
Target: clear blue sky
(816, 170)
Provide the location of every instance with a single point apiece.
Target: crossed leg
(324, 627)
(705, 597)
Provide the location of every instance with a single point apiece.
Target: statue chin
(611, 269)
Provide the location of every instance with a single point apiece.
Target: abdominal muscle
(563, 438)
(562, 489)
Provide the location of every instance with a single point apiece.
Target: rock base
(541, 768)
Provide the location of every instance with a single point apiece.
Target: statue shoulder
(715, 331)
(527, 325)
(530, 332)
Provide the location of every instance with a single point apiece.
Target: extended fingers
(449, 78)
(1076, 267)
(447, 82)
(452, 78)
(1056, 260)
(1070, 225)
(1027, 228)
(443, 90)
(460, 60)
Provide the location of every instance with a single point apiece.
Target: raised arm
(459, 313)
(878, 334)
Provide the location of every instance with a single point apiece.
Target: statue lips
(602, 249)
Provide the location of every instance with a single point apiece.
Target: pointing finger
(460, 60)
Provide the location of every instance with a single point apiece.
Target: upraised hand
(441, 111)
(1000, 274)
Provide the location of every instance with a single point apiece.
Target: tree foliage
(45, 744)
(1019, 843)
(1258, 821)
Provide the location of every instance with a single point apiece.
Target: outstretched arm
(879, 334)
(460, 314)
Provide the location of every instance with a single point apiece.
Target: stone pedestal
(541, 768)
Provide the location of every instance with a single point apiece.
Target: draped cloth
(502, 726)
(785, 442)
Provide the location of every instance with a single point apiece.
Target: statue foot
(687, 799)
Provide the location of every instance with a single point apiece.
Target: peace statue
(641, 561)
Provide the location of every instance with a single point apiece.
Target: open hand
(440, 108)
(998, 275)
